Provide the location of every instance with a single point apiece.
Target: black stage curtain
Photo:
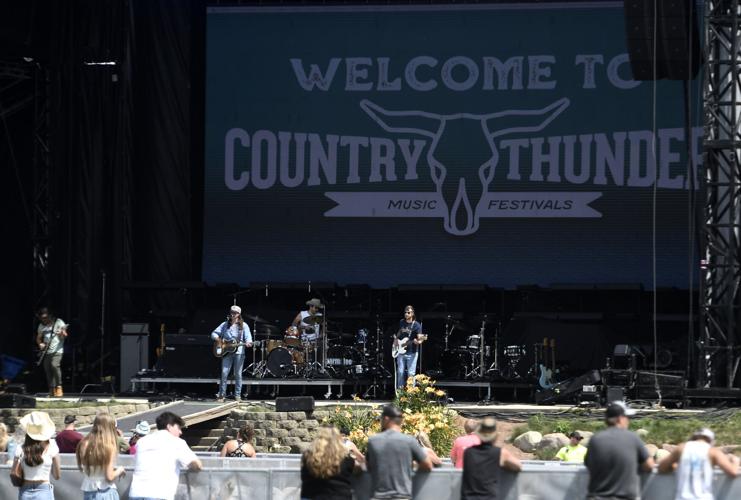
(121, 146)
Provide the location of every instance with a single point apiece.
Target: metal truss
(721, 194)
(43, 206)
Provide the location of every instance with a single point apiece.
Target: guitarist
(233, 330)
(409, 337)
(50, 336)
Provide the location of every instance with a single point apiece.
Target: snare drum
(291, 337)
(473, 342)
(273, 344)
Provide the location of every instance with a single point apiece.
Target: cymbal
(256, 319)
(313, 320)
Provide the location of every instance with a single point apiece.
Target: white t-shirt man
(159, 458)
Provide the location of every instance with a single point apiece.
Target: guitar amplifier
(189, 356)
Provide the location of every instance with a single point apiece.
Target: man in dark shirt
(68, 439)
(482, 464)
(390, 455)
(408, 339)
(614, 456)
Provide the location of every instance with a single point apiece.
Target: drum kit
(291, 355)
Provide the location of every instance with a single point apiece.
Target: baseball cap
(236, 309)
(391, 411)
(576, 434)
(706, 433)
(68, 419)
(618, 409)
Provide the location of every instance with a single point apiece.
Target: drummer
(309, 321)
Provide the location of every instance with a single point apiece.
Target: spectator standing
(96, 459)
(159, 458)
(242, 446)
(390, 456)
(694, 461)
(614, 456)
(68, 439)
(464, 442)
(574, 451)
(37, 459)
(141, 430)
(326, 468)
(351, 447)
(483, 463)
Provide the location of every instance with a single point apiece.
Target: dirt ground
(504, 433)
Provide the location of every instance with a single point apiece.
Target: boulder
(642, 433)
(661, 454)
(554, 441)
(668, 447)
(528, 442)
(652, 449)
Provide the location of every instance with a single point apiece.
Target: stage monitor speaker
(297, 403)
(189, 356)
(614, 393)
(676, 41)
(16, 401)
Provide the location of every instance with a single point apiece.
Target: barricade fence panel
(234, 479)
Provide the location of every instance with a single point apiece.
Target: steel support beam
(721, 192)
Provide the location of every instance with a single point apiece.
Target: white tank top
(312, 331)
(96, 481)
(695, 472)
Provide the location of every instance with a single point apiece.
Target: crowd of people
(614, 458)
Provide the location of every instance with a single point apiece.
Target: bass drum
(280, 362)
(345, 362)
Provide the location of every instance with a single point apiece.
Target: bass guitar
(401, 346)
(222, 348)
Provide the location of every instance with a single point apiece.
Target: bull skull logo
(479, 131)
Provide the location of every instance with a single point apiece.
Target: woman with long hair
(242, 446)
(37, 459)
(96, 458)
(326, 468)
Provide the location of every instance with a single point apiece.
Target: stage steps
(205, 435)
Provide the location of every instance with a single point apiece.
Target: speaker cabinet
(675, 42)
(189, 356)
(297, 403)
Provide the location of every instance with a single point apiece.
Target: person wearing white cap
(37, 458)
(141, 430)
(614, 457)
(233, 333)
(694, 461)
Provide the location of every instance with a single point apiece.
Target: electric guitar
(545, 380)
(401, 346)
(222, 348)
(42, 353)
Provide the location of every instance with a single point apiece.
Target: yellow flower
(403, 399)
(348, 414)
(407, 410)
(428, 390)
(413, 390)
(439, 393)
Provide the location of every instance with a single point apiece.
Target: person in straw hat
(694, 461)
(482, 464)
(37, 459)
